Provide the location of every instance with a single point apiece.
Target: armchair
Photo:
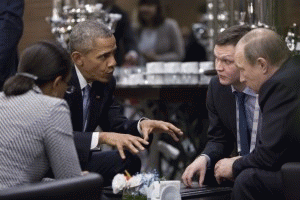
(83, 187)
(291, 180)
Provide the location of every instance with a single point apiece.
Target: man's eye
(228, 62)
(100, 57)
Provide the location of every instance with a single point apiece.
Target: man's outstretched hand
(156, 126)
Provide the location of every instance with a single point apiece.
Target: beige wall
(184, 11)
(35, 26)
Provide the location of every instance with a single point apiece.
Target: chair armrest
(81, 187)
(291, 180)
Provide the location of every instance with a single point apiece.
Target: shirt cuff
(95, 140)
(207, 159)
(139, 127)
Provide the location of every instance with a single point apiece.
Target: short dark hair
(46, 60)
(159, 18)
(232, 35)
(83, 35)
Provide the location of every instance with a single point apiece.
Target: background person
(224, 132)
(36, 130)
(158, 38)
(126, 53)
(11, 26)
(195, 48)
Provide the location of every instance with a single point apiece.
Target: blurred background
(286, 12)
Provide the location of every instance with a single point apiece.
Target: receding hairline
(84, 34)
(265, 43)
(257, 34)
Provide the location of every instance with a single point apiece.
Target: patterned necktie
(243, 124)
(86, 102)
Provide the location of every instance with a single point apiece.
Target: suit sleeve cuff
(236, 167)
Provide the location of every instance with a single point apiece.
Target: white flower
(118, 183)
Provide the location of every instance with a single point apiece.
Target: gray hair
(267, 44)
(83, 35)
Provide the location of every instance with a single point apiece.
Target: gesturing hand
(155, 126)
(123, 141)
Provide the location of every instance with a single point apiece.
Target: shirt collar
(82, 81)
(36, 89)
(247, 91)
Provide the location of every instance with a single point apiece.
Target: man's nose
(219, 66)
(242, 78)
(112, 61)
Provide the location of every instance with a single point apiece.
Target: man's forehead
(224, 50)
(105, 44)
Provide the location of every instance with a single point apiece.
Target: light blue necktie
(243, 124)
(86, 102)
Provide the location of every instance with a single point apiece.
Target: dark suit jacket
(124, 35)
(221, 108)
(104, 111)
(11, 26)
(279, 141)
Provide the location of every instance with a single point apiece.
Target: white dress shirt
(95, 135)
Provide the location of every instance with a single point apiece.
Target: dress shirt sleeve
(278, 104)
(59, 142)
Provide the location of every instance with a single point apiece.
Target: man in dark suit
(266, 66)
(126, 53)
(223, 132)
(11, 26)
(92, 47)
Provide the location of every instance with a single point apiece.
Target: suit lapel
(232, 108)
(74, 98)
(227, 106)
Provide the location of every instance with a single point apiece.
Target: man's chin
(105, 80)
(224, 81)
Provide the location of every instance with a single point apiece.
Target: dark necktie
(86, 102)
(243, 124)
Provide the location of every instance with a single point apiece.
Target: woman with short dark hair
(35, 125)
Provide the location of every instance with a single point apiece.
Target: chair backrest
(83, 187)
(291, 180)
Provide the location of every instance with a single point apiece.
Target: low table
(205, 192)
(192, 193)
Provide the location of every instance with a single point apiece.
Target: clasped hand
(223, 169)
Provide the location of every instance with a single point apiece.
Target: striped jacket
(35, 134)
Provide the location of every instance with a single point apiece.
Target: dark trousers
(109, 163)
(255, 184)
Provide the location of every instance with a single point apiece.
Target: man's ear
(263, 64)
(55, 85)
(77, 58)
(57, 81)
